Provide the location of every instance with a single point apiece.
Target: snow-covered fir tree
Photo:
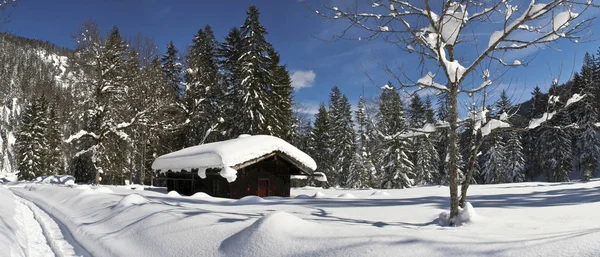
(203, 93)
(32, 143)
(586, 117)
(342, 130)
(280, 90)
(514, 159)
(256, 76)
(397, 168)
(300, 137)
(106, 82)
(172, 69)
(555, 142)
(229, 53)
(321, 142)
(532, 146)
(441, 139)
(363, 170)
(424, 155)
(468, 143)
(492, 159)
(53, 159)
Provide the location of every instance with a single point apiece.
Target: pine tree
(171, 67)
(229, 52)
(203, 93)
(280, 117)
(424, 155)
(532, 146)
(441, 140)
(107, 82)
(514, 161)
(31, 141)
(429, 113)
(301, 136)
(321, 143)
(397, 167)
(366, 171)
(52, 158)
(342, 130)
(256, 76)
(555, 144)
(416, 112)
(503, 105)
(586, 113)
(425, 167)
(495, 159)
(428, 154)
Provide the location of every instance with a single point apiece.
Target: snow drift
(56, 179)
(275, 234)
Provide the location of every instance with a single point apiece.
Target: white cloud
(302, 79)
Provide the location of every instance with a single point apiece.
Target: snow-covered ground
(522, 219)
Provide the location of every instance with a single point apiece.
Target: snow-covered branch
(80, 134)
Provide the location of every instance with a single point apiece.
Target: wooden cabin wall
(275, 169)
(189, 183)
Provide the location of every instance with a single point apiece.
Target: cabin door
(263, 187)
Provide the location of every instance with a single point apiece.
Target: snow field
(520, 219)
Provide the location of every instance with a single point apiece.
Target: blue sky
(292, 29)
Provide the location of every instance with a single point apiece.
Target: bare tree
(447, 37)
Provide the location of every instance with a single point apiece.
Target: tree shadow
(324, 215)
(558, 197)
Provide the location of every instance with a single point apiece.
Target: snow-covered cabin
(248, 165)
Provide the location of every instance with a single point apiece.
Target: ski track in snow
(41, 235)
(30, 236)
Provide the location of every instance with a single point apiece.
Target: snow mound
(380, 193)
(83, 187)
(173, 193)
(319, 195)
(130, 200)
(303, 196)
(465, 215)
(346, 195)
(140, 188)
(200, 195)
(250, 200)
(275, 234)
(56, 179)
(105, 190)
(7, 178)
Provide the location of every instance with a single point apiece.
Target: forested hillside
(103, 111)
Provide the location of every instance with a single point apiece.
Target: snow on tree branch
(434, 31)
(80, 134)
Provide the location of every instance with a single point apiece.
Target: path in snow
(40, 235)
(30, 235)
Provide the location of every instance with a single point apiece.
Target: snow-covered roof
(230, 154)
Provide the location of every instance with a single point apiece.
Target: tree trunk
(452, 150)
(471, 166)
(97, 178)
